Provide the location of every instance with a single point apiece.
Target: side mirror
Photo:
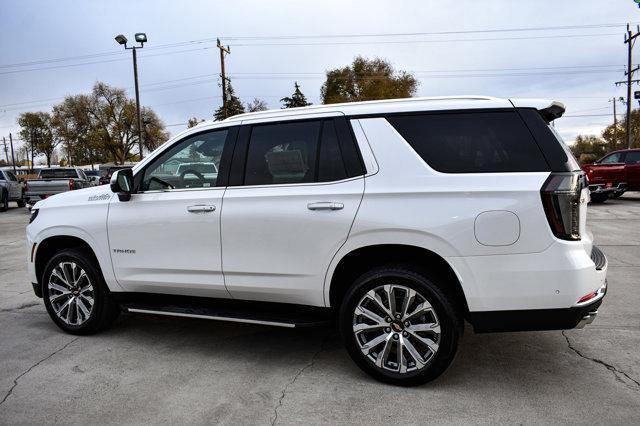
(122, 183)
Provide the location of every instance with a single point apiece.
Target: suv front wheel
(399, 327)
(75, 295)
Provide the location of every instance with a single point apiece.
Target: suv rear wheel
(75, 295)
(399, 327)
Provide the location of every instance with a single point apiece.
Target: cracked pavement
(150, 369)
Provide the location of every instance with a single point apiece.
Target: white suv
(401, 219)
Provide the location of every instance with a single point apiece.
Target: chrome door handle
(201, 208)
(325, 205)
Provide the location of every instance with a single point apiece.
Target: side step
(264, 313)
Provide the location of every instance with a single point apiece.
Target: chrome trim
(587, 319)
(599, 295)
(211, 317)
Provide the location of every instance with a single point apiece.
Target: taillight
(72, 185)
(561, 194)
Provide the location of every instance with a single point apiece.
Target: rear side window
(478, 142)
(633, 157)
(294, 152)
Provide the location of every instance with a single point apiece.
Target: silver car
(10, 190)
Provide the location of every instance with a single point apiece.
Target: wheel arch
(358, 260)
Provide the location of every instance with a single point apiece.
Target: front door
(290, 214)
(166, 238)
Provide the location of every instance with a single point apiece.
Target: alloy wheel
(396, 328)
(71, 293)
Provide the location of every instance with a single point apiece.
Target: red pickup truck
(614, 174)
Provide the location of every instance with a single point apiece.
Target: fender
(421, 240)
(101, 253)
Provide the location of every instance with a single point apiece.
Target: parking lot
(151, 369)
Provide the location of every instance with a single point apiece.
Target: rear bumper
(602, 188)
(534, 320)
(578, 315)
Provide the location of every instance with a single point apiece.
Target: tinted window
(481, 142)
(192, 163)
(2, 176)
(11, 176)
(613, 158)
(330, 164)
(282, 153)
(58, 174)
(632, 157)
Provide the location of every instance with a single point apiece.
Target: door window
(11, 176)
(616, 157)
(633, 157)
(297, 152)
(192, 163)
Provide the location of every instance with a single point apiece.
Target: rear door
(632, 170)
(295, 188)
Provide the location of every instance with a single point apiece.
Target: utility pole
(6, 151)
(629, 39)
(32, 145)
(223, 50)
(13, 160)
(615, 119)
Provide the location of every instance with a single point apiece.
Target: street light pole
(135, 77)
(142, 39)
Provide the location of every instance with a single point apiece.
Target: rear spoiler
(548, 109)
(553, 111)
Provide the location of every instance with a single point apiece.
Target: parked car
(105, 175)
(10, 190)
(614, 174)
(401, 219)
(52, 181)
(93, 176)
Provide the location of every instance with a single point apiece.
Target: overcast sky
(272, 46)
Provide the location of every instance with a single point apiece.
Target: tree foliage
(297, 99)
(102, 126)
(590, 147)
(234, 105)
(37, 130)
(257, 105)
(365, 80)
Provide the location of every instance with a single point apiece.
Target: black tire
(104, 310)
(599, 198)
(448, 316)
(4, 201)
(617, 194)
(21, 202)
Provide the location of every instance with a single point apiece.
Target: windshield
(58, 174)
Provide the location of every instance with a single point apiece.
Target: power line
(377, 42)
(411, 34)
(318, 36)
(155, 86)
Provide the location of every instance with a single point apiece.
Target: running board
(261, 313)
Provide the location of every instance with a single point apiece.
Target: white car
(401, 219)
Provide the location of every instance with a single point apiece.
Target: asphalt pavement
(149, 369)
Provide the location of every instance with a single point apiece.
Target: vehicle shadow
(505, 360)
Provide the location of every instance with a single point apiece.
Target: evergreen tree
(234, 105)
(297, 99)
